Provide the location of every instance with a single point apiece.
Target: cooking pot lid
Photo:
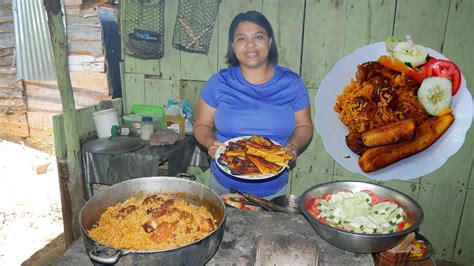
(114, 145)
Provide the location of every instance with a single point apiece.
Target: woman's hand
(292, 150)
(213, 148)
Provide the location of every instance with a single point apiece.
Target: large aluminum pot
(196, 253)
(356, 242)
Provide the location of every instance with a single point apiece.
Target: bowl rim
(410, 229)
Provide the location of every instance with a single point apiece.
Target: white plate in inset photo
(333, 131)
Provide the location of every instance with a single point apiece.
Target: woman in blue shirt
(253, 96)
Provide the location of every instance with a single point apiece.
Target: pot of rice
(151, 221)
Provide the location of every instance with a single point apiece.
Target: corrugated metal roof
(34, 55)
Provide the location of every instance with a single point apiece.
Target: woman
(253, 96)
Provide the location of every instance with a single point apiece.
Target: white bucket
(104, 120)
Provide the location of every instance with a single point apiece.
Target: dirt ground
(31, 223)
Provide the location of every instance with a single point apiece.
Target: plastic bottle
(124, 131)
(147, 128)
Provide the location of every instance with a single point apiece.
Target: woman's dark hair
(259, 19)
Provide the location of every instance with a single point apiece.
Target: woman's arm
(302, 133)
(203, 128)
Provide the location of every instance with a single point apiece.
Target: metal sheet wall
(34, 54)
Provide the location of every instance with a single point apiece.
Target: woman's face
(251, 44)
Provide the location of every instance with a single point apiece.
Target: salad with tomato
(439, 79)
(358, 212)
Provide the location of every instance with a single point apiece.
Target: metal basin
(356, 242)
(196, 253)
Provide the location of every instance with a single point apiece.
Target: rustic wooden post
(70, 171)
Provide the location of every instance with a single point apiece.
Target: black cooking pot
(195, 253)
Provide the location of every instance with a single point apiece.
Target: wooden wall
(13, 120)
(312, 35)
(27, 106)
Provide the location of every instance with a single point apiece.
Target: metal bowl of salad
(360, 217)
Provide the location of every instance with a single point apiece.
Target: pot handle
(186, 175)
(105, 255)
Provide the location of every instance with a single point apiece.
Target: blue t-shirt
(245, 109)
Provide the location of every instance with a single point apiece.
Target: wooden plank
(80, 20)
(41, 120)
(464, 249)
(6, 57)
(458, 45)
(86, 63)
(170, 63)
(358, 23)
(7, 70)
(94, 48)
(134, 90)
(286, 18)
(90, 81)
(190, 90)
(10, 92)
(442, 205)
(228, 9)
(157, 91)
(84, 33)
(7, 40)
(6, 27)
(411, 15)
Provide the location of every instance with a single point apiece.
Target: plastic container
(154, 111)
(130, 119)
(104, 120)
(147, 128)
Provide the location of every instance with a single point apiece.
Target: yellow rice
(382, 113)
(129, 233)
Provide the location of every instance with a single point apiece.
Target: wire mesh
(144, 28)
(194, 25)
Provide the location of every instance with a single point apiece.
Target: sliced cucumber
(411, 54)
(435, 94)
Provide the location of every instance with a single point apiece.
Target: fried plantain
(390, 133)
(426, 134)
(355, 143)
(264, 166)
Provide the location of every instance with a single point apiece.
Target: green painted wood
(158, 91)
(464, 248)
(286, 18)
(442, 205)
(228, 9)
(170, 66)
(134, 90)
(327, 39)
(189, 89)
(411, 18)
(458, 41)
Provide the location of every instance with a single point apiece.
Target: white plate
(224, 168)
(333, 131)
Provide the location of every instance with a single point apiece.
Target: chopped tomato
(327, 196)
(399, 66)
(400, 226)
(445, 69)
(375, 198)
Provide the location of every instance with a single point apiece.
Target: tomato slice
(445, 69)
(375, 198)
